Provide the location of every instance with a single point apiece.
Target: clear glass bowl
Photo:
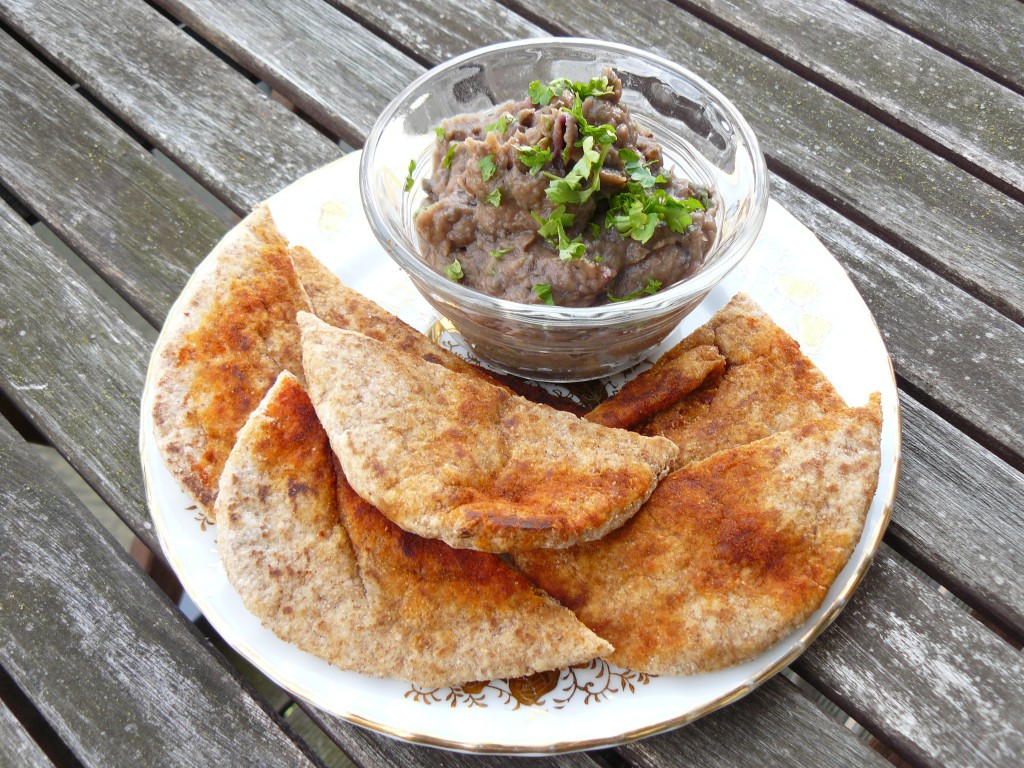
(704, 137)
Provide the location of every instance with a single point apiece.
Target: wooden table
(893, 128)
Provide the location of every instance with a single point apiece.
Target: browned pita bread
(729, 553)
(326, 571)
(234, 331)
(451, 457)
(767, 385)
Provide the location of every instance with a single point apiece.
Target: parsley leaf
(499, 125)
(652, 287)
(553, 224)
(542, 94)
(570, 189)
(486, 166)
(543, 291)
(408, 178)
(439, 132)
(494, 197)
(498, 253)
(447, 162)
(454, 271)
(534, 158)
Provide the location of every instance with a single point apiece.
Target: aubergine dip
(561, 198)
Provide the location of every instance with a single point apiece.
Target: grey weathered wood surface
(990, 36)
(102, 654)
(921, 674)
(96, 187)
(966, 116)
(17, 749)
(747, 733)
(947, 218)
(74, 367)
(241, 145)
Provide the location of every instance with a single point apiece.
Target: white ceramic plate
(797, 282)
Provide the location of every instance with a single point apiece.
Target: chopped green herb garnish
(542, 94)
(595, 230)
(497, 253)
(408, 178)
(553, 224)
(534, 158)
(637, 212)
(500, 124)
(570, 189)
(638, 170)
(447, 162)
(494, 197)
(454, 271)
(439, 132)
(598, 258)
(652, 287)
(543, 291)
(486, 166)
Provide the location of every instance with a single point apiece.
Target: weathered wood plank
(948, 345)
(774, 725)
(101, 653)
(967, 115)
(989, 34)
(97, 188)
(960, 516)
(75, 368)
(920, 673)
(954, 222)
(348, 76)
(441, 29)
(203, 114)
(17, 749)
(372, 750)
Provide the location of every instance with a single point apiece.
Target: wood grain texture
(947, 344)
(97, 188)
(334, 69)
(927, 93)
(441, 29)
(989, 35)
(920, 673)
(960, 516)
(371, 750)
(101, 653)
(955, 223)
(238, 143)
(756, 731)
(75, 368)
(17, 749)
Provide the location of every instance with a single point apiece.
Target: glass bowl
(704, 138)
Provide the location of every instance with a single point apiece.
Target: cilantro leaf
(534, 158)
(486, 166)
(494, 197)
(454, 271)
(497, 253)
(408, 178)
(543, 291)
(652, 287)
(499, 125)
(447, 162)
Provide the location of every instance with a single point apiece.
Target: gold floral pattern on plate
(589, 683)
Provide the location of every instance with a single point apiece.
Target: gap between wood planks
(858, 102)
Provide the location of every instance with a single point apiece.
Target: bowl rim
(545, 314)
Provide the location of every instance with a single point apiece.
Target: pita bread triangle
(232, 333)
(450, 457)
(324, 570)
(729, 554)
(765, 385)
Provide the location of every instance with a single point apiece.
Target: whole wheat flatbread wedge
(326, 571)
(450, 457)
(766, 385)
(729, 554)
(233, 332)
